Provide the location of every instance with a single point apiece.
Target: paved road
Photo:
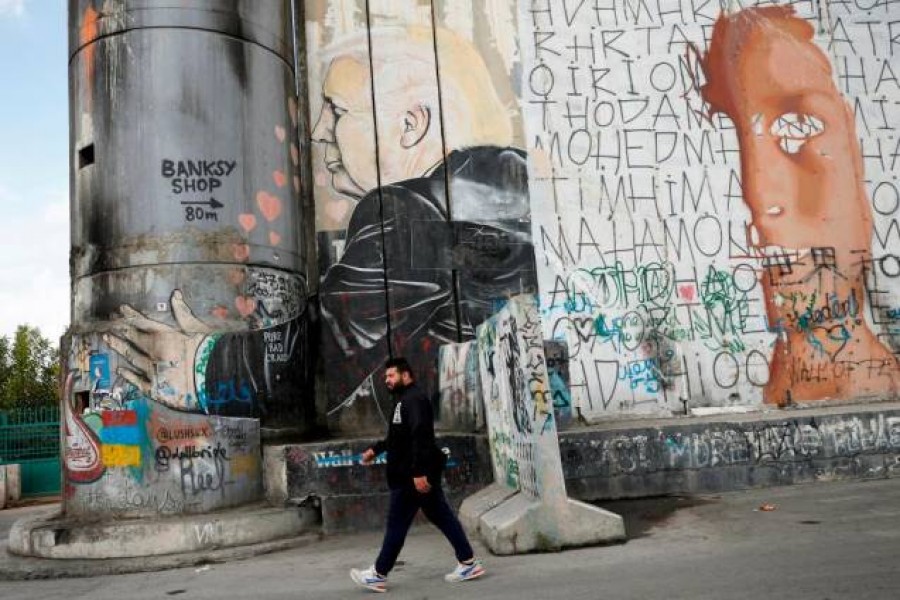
(824, 541)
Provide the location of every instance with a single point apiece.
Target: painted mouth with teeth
(775, 250)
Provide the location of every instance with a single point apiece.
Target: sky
(34, 173)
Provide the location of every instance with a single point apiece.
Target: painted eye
(337, 111)
(795, 130)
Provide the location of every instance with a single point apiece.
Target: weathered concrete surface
(275, 475)
(51, 536)
(354, 496)
(713, 454)
(521, 524)
(481, 502)
(2, 487)
(19, 568)
(539, 516)
(621, 459)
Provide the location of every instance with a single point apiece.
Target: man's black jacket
(410, 444)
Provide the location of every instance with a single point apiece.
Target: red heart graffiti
(274, 238)
(247, 221)
(220, 312)
(686, 292)
(280, 133)
(269, 205)
(245, 305)
(279, 178)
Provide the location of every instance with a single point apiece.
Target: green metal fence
(30, 437)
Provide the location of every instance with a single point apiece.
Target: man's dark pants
(405, 503)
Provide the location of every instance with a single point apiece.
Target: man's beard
(398, 388)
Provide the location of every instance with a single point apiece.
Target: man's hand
(422, 485)
(367, 457)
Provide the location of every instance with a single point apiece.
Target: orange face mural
(803, 181)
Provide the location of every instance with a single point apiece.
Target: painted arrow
(212, 203)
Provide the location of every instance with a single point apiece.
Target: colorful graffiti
(422, 190)
(160, 404)
(802, 172)
(187, 364)
(713, 202)
(518, 399)
(196, 463)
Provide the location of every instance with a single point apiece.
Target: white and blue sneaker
(369, 579)
(465, 572)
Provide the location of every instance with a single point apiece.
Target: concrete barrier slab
(479, 503)
(526, 509)
(522, 524)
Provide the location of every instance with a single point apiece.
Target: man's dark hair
(399, 363)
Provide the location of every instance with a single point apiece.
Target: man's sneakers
(465, 572)
(369, 579)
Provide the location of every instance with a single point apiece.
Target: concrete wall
(713, 229)
(145, 459)
(716, 455)
(190, 313)
(423, 219)
(461, 406)
(355, 496)
(714, 200)
(625, 459)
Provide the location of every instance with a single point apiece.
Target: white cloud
(12, 8)
(34, 266)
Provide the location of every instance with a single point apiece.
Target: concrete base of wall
(731, 452)
(353, 496)
(57, 537)
(619, 459)
(510, 522)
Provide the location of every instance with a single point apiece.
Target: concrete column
(189, 309)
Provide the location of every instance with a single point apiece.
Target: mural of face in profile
(440, 232)
(410, 137)
(802, 175)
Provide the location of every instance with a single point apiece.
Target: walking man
(414, 466)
